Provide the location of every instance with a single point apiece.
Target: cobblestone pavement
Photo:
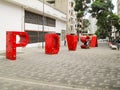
(83, 69)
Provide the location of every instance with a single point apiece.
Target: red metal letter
(11, 43)
(72, 41)
(85, 40)
(94, 42)
(52, 43)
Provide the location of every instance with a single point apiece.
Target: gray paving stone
(83, 69)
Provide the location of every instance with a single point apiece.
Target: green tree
(101, 33)
(80, 8)
(86, 23)
(102, 11)
(114, 20)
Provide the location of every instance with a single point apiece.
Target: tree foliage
(78, 5)
(81, 5)
(86, 23)
(101, 33)
(80, 8)
(102, 10)
(99, 6)
(114, 20)
(80, 14)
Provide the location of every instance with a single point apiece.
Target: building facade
(118, 7)
(66, 6)
(28, 16)
(92, 27)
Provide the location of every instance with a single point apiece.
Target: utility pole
(43, 27)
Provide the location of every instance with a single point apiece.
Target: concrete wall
(11, 18)
(35, 27)
(60, 26)
(118, 7)
(37, 6)
(62, 5)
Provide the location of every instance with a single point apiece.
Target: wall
(11, 18)
(60, 26)
(118, 8)
(62, 5)
(37, 6)
(35, 27)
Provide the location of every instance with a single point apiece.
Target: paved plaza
(83, 69)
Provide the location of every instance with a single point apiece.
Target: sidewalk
(83, 69)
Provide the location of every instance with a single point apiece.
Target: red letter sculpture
(11, 43)
(72, 41)
(85, 40)
(94, 42)
(52, 43)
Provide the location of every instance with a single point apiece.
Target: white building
(27, 15)
(92, 27)
(66, 6)
(71, 15)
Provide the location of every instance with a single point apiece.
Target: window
(69, 11)
(88, 1)
(38, 19)
(71, 28)
(36, 36)
(33, 18)
(50, 22)
(72, 4)
(51, 1)
(72, 12)
(33, 36)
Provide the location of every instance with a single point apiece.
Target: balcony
(51, 1)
